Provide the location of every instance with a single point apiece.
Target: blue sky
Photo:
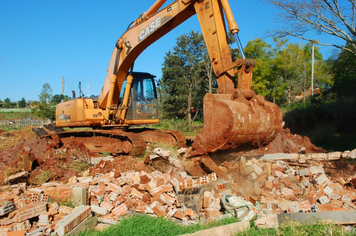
(42, 41)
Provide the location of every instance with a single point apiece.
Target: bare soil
(24, 150)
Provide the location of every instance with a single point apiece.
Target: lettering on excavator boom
(150, 28)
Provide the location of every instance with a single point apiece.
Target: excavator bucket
(234, 122)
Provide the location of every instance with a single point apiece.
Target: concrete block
(321, 179)
(293, 157)
(352, 154)
(303, 172)
(99, 210)
(334, 155)
(324, 200)
(79, 196)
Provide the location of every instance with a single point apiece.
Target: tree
(22, 103)
(265, 79)
(45, 109)
(58, 98)
(344, 71)
(321, 16)
(183, 80)
(7, 103)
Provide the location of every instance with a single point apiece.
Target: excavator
(233, 117)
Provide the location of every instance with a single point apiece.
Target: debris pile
(48, 191)
(254, 187)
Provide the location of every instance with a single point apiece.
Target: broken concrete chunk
(352, 154)
(162, 152)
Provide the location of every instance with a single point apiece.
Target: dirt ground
(47, 159)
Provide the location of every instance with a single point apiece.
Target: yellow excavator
(233, 118)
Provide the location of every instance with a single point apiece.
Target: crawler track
(122, 142)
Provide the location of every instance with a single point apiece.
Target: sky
(42, 41)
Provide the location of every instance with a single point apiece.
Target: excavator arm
(154, 24)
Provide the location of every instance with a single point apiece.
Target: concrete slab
(223, 230)
(335, 217)
(87, 224)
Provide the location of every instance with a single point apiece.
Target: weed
(79, 165)
(180, 125)
(105, 154)
(43, 177)
(66, 202)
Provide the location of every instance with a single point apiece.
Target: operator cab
(143, 97)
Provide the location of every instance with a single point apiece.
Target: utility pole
(312, 72)
(62, 85)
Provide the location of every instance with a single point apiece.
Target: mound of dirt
(286, 142)
(48, 159)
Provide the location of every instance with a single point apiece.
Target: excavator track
(122, 142)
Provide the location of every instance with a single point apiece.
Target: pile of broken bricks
(245, 188)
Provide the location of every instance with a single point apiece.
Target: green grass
(15, 115)
(147, 225)
(180, 125)
(15, 110)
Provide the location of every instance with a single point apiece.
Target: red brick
(158, 209)
(305, 205)
(107, 205)
(141, 207)
(325, 207)
(113, 188)
(120, 210)
(136, 193)
(212, 213)
(269, 185)
(211, 165)
(167, 199)
(167, 187)
(16, 233)
(60, 193)
(179, 215)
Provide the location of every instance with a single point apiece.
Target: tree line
(282, 74)
(283, 71)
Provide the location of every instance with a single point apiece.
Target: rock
(352, 154)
